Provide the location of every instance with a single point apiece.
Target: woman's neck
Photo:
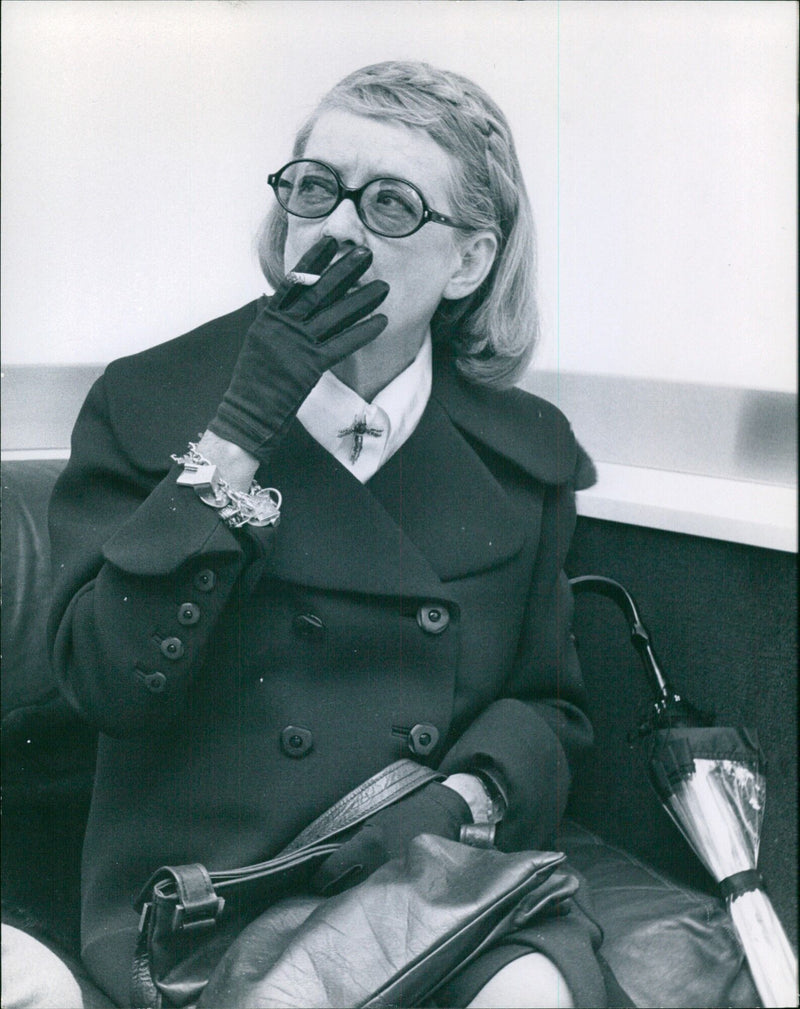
(373, 367)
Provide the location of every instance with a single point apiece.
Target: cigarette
(306, 279)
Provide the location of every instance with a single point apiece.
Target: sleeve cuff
(171, 526)
(519, 749)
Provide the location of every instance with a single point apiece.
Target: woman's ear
(476, 255)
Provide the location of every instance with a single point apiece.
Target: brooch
(358, 429)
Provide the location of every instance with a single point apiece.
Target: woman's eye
(393, 203)
(392, 200)
(315, 188)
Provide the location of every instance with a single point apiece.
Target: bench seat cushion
(667, 944)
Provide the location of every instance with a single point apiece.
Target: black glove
(434, 809)
(301, 333)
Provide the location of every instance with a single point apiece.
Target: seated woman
(245, 674)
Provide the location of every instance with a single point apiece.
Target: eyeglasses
(389, 207)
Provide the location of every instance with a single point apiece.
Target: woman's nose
(344, 224)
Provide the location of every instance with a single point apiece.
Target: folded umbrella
(711, 780)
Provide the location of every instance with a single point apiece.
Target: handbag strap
(194, 886)
(387, 786)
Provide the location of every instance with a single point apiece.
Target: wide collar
(528, 431)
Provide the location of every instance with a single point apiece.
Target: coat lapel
(333, 533)
(447, 501)
(431, 514)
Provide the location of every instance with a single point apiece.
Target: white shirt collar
(336, 416)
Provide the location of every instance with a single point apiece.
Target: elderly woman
(244, 674)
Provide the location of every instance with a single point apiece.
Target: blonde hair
(491, 333)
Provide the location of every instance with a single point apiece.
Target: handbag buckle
(198, 917)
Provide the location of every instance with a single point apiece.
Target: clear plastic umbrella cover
(711, 780)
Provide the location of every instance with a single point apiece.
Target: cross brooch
(358, 429)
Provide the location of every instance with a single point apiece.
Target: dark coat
(432, 596)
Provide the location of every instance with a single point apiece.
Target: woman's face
(416, 268)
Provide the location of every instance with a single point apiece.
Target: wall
(657, 139)
(659, 145)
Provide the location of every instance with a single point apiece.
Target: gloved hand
(434, 809)
(301, 333)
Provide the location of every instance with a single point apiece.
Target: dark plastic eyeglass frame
(355, 195)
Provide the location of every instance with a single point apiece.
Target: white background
(658, 141)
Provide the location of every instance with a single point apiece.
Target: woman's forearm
(236, 465)
(472, 791)
(128, 641)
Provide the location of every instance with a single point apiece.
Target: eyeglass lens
(387, 206)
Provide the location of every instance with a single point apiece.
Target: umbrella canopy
(711, 780)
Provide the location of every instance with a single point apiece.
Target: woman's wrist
(473, 792)
(236, 466)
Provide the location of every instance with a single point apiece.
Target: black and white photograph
(399, 504)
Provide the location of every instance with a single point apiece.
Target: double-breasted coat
(242, 681)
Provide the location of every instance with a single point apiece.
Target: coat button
(308, 625)
(155, 682)
(296, 741)
(205, 580)
(188, 614)
(422, 739)
(172, 648)
(433, 618)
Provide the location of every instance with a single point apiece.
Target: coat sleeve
(530, 739)
(142, 571)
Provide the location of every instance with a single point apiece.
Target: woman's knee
(529, 982)
(33, 976)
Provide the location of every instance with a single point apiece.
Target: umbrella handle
(669, 707)
(640, 636)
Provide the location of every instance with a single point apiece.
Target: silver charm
(204, 481)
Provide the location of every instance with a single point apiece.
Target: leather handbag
(251, 936)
